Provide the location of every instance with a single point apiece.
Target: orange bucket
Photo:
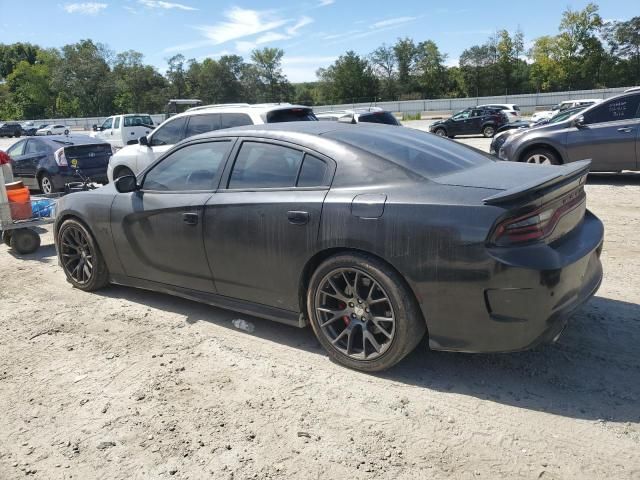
(19, 201)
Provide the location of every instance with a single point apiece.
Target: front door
(262, 228)
(457, 123)
(608, 136)
(35, 152)
(158, 230)
(16, 153)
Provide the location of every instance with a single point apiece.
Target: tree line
(87, 79)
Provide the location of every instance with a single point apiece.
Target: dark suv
(471, 121)
(10, 129)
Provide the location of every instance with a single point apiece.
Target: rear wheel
(24, 241)
(66, 132)
(440, 132)
(80, 257)
(541, 156)
(46, 184)
(488, 131)
(363, 313)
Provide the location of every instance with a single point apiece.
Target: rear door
(158, 229)
(473, 124)
(609, 135)
(262, 225)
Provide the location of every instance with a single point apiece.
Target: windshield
(564, 115)
(291, 115)
(379, 117)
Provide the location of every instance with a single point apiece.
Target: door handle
(190, 218)
(297, 217)
(625, 129)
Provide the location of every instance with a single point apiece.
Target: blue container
(42, 207)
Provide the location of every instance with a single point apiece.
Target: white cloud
(240, 23)
(165, 5)
(293, 31)
(324, 3)
(308, 60)
(86, 8)
(393, 22)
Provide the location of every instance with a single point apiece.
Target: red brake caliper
(345, 318)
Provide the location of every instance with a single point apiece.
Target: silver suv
(608, 133)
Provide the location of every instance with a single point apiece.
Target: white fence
(528, 103)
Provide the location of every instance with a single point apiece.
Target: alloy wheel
(355, 314)
(45, 185)
(77, 255)
(539, 159)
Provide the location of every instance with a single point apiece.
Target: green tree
(624, 41)
(268, 68)
(349, 79)
(384, 64)
(177, 76)
(139, 87)
(406, 52)
(430, 70)
(12, 55)
(547, 71)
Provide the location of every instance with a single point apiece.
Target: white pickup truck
(123, 130)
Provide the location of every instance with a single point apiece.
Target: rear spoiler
(565, 174)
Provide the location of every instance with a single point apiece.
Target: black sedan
(375, 235)
(48, 163)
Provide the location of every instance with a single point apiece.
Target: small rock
(304, 434)
(173, 471)
(451, 420)
(387, 454)
(105, 445)
(14, 464)
(150, 437)
(140, 396)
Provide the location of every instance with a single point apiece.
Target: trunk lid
(87, 156)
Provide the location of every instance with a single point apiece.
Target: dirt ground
(127, 384)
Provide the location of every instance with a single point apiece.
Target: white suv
(132, 159)
(510, 109)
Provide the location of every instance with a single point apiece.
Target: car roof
(239, 107)
(68, 140)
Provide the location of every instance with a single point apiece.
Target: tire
(46, 184)
(541, 156)
(397, 336)
(66, 132)
(24, 241)
(17, 135)
(441, 132)
(49, 132)
(122, 172)
(80, 257)
(6, 237)
(488, 131)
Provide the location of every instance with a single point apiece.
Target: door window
(461, 115)
(235, 120)
(194, 167)
(202, 124)
(34, 146)
(170, 133)
(265, 165)
(314, 172)
(117, 124)
(625, 108)
(476, 112)
(106, 125)
(17, 149)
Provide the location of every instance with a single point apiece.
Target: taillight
(535, 225)
(4, 158)
(60, 157)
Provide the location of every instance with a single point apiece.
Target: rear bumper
(519, 307)
(62, 177)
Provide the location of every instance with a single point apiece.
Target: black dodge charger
(374, 235)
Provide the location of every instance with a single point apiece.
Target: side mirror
(578, 122)
(94, 127)
(144, 141)
(126, 184)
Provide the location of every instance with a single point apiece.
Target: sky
(313, 33)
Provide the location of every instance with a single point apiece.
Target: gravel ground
(126, 384)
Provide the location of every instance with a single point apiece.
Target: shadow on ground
(621, 179)
(592, 373)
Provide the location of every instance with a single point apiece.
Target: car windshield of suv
(379, 117)
(291, 115)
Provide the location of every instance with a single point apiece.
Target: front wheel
(541, 156)
(440, 132)
(66, 132)
(49, 132)
(80, 257)
(363, 312)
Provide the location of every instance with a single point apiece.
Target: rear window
(202, 124)
(378, 117)
(291, 115)
(516, 107)
(417, 151)
(137, 120)
(229, 120)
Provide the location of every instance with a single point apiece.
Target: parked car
(30, 129)
(566, 105)
(511, 109)
(606, 133)
(10, 129)
(517, 127)
(122, 130)
(55, 129)
(358, 115)
(471, 121)
(135, 158)
(371, 233)
(49, 163)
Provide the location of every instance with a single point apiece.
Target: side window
(34, 146)
(117, 123)
(476, 113)
(17, 149)
(625, 108)
(264, 165)
(235, 120)
(170, 133)
(202, 124)
(106, 125)
(461, 115)
(313, 173)
(194, 167)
